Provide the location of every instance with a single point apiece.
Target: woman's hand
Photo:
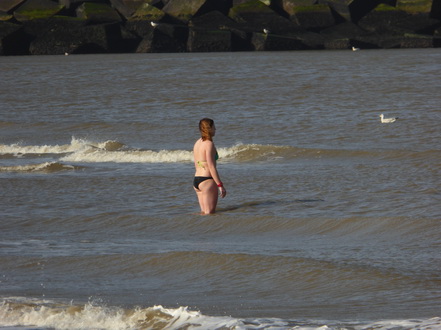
(222, 191)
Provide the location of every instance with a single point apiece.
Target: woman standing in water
(206, 180)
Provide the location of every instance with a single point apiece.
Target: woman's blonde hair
(205, 127)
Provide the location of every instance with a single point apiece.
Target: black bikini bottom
(198, 179)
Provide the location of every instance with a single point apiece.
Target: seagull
(354, 49)
(266, 31)
(387, 120)
(154, 24)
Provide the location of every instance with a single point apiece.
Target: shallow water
(331, 218)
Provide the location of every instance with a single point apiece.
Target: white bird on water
(266, 31)
(354, 49)
(154, 24)
(387, 120)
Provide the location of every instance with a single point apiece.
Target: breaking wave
(84, 151)
(76, 145)
(28, 313)
(47, 167)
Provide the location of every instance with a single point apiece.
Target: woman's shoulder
(207, 144)
(204, 143)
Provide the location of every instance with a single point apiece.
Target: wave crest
(74, 146)
(28, 312)
(48, 314)
(81, 150)
(47, 167)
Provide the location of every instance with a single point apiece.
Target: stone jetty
(50, 27)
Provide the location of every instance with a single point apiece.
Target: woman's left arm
(211, 163)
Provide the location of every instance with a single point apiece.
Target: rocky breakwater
(39, 27)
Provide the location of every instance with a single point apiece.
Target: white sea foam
(48, 314)
(129, 156)
(28, 313)
(41, 167)
(111, 151)
(18, 148)
(242, 152)
(82, 150)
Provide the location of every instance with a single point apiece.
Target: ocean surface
(332, 219)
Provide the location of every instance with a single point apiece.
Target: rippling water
(331, 219)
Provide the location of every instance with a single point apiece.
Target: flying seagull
(387, 120)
